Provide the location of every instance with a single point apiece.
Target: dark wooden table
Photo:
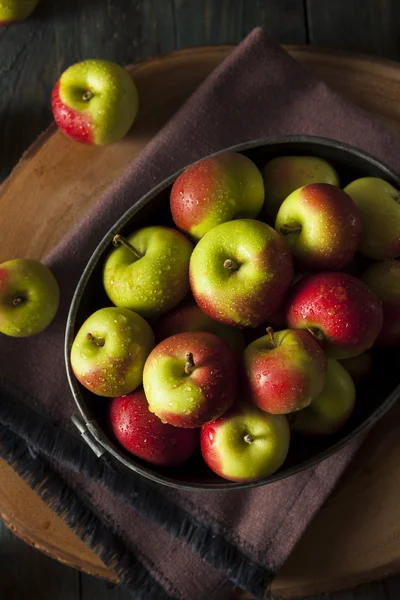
(33, 54)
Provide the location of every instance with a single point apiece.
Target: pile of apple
(226, 278)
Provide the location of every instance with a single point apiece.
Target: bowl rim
(129, 462)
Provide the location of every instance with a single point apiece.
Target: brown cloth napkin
(168, 544)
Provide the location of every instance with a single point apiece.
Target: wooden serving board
(355, 537)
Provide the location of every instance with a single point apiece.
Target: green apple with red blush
(379, 205)
(339, 310)
(214, 190)
(13, 11)
(109, 351)
(332, 409)
(190, 379)
(285, 370)
(240, 272)
(143, 434)
(29, 297)
(383, 278)
(190, 317)
(322, 227)
(245, 444)
(148, 272)
(285, 174)
(95, 102)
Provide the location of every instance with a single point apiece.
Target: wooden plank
(371, 27)
(201, 22)
(392, 588)
(284, 20)
(97, 589)
(26, 574)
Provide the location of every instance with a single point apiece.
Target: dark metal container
(375, 396)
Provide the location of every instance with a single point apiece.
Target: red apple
(190, 317)
(338, 309)
(245, 444)
(190, 379)
(144, 435)
(384, 279)
(285, 370)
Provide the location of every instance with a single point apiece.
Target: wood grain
(355, 537)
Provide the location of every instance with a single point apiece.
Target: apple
(338, 309)
(358, 366)
(285, 370)
(95, 102)
(149, 271)
(379, 206)
(190, 317)
(109, 351)
(333, 407)
(384, 279)
(190, 379)
(321, 225)
(245, 444)
(29, 297)
(144, 435)
(240, 272)
(12, 11)
(285, 174)
(214, 190)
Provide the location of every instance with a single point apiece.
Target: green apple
(214, 190)
(285, 174)
(333, 407)
(383, 278)
(245, 444)
(240, 272)
(379, 206)
(285, 370)
(321, 225)
(95, 102)
(12, 11)
(149, 271)
(29, 297)
(109, 351)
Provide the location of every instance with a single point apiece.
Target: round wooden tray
(355, 536)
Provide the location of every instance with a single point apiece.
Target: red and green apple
(214, 190)
(190, 379)
(109, 351)
(95, 102)
(240, 272)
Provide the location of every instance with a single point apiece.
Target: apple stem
(286, 229)
(249, 439)
(99, 342)
(18, 301)
(120, 240)
(270, 332)
(88, 95)
(189, 364)
(316, 334)
(231, 264)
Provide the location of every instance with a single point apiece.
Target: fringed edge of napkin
(27, 438)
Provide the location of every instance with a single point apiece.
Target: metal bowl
(375, 396)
